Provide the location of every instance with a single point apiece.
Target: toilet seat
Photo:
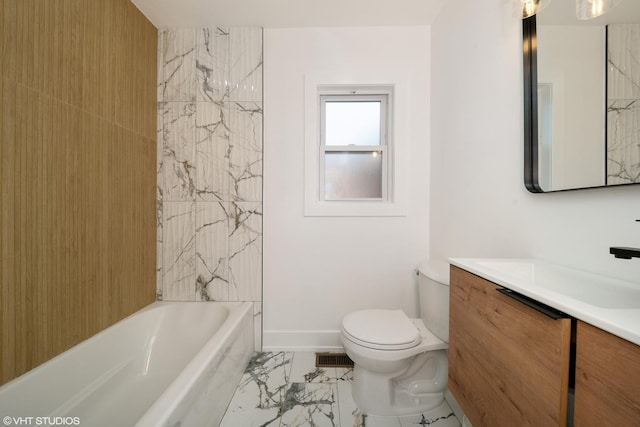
(381, 329)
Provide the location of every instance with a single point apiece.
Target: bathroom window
(353, 146)
(350, 150)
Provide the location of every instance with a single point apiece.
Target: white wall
(479, 206)
(317, 269)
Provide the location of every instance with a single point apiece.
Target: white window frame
(385, 148)
(395, 201)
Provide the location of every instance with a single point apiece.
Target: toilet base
(414, 390)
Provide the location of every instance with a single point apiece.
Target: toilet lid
(381, 329)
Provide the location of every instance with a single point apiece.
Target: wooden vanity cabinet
(607, 391)
(508, 363)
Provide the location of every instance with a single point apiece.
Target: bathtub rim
(237, 311)
(174, 394)
(98, 335)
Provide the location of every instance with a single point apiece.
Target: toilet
(401, 363)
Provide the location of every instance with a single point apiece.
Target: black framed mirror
(581, 98)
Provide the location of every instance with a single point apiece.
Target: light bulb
(531, 7)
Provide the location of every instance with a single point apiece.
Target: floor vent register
(333, 360)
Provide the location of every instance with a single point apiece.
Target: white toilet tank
(433, 282)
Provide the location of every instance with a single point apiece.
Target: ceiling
(289, 13)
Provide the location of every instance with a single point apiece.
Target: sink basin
(523, 270)
(599, 291)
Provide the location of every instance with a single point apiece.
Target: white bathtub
(169, 364)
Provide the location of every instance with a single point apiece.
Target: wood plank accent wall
(77, 173)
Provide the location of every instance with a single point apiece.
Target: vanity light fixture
(531, 7)
(589, 9)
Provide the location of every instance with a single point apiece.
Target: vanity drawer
(607, 389)
(508, 363)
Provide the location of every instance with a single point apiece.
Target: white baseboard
(326, 341)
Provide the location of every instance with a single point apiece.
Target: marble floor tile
(344, 374)
(373, 421)
(260, 395)
(304, 370)
(441, 417)
(349, 414)
(307, 404)
(285, 389)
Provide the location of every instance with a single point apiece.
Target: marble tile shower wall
(209, 197)
(623, 109)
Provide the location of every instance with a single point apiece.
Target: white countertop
(607, 303)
